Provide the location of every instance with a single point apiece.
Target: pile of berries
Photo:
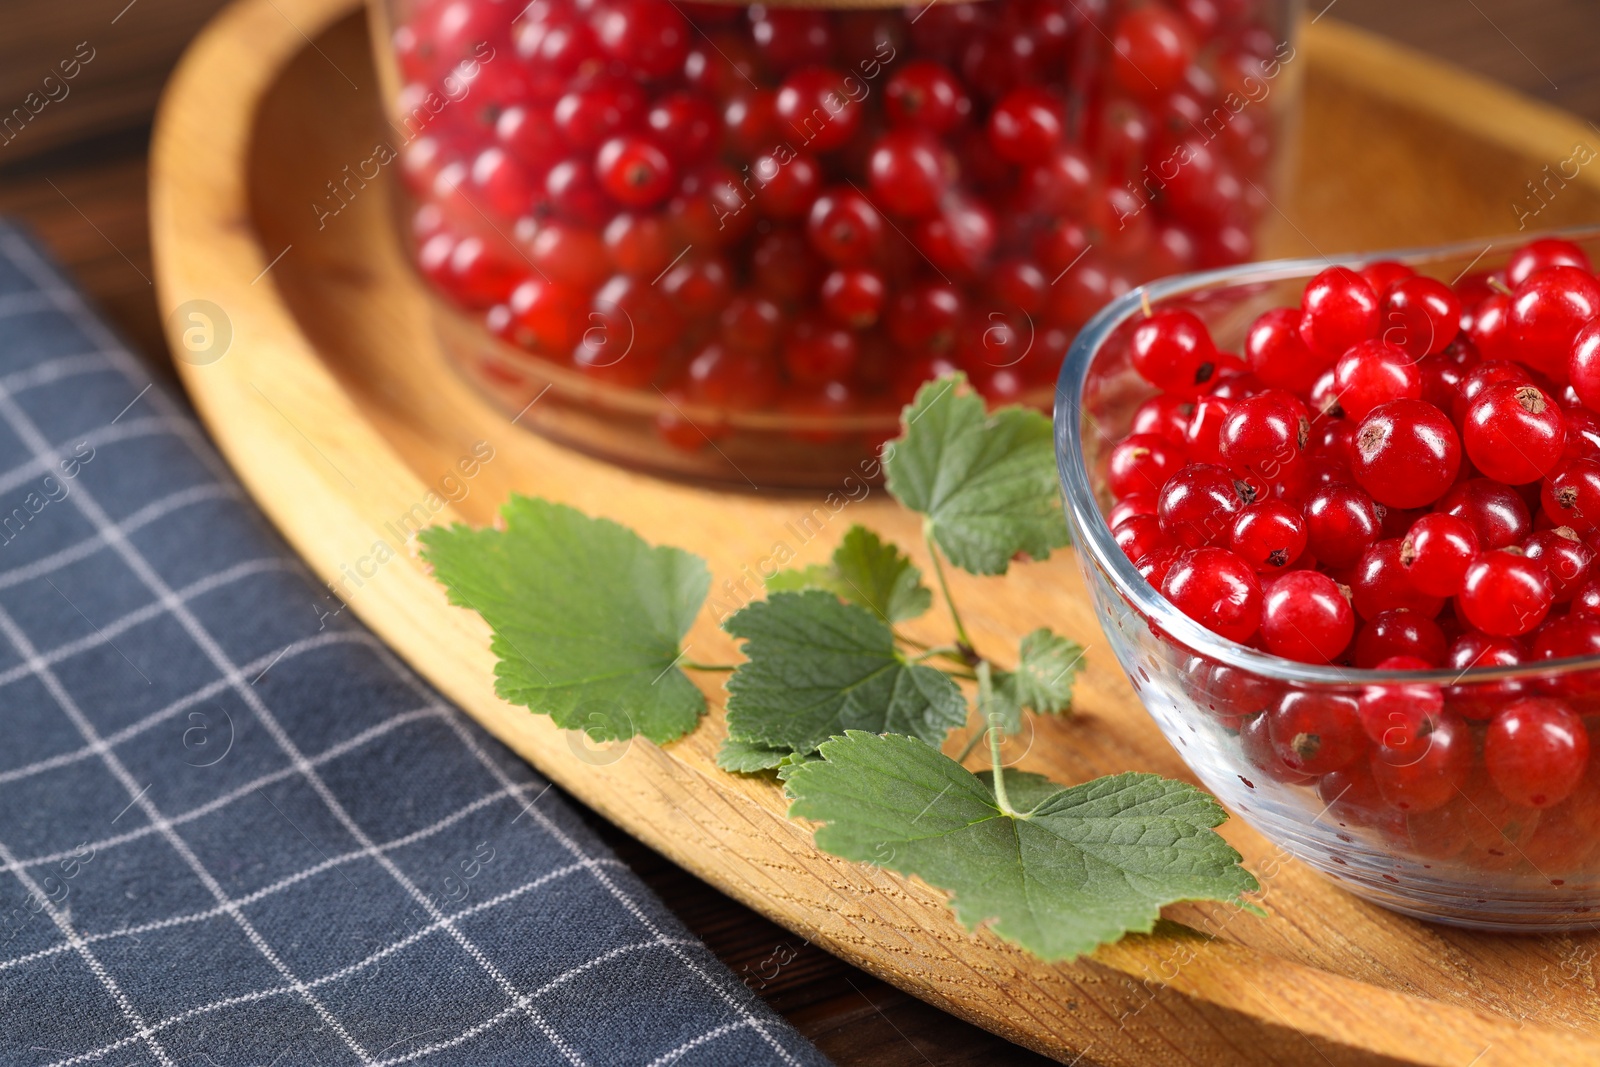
(1397, 474)
(813, 211)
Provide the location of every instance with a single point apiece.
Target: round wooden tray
(335, 407)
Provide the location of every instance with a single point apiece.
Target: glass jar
(1420, 829)
(728, 241)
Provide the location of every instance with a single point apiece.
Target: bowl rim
(1093, 536)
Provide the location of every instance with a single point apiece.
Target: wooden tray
(335, 407)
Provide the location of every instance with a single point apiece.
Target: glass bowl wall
(727, 241)
(1472, 857)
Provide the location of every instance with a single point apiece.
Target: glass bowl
(1462, 854)
(728, 241)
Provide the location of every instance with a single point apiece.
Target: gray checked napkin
(233, 832)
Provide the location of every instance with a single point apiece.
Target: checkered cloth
(236, 832)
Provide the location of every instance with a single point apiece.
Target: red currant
(1406, 454)
(1505, 594)
(1571, 495)
(1173, 351)
(1142, 463)
(1546, 313)
(1374, 372)
(1381, 583)
(1269, 535)
(845, 228)
(1026, 126)
(1436, 551)
(1151, 49)
(1264, 433)
(1420, 315)
(1496, 513)
(1513, 433)
(1426, 772)
(1278, 356)
(726, 378)
(816, 105)
(1399, 633)
(1339, 310)
(1396, 715)
(1564, 557)
(924, 93)
(909, 172)
(1218, 590)
(1583, 366)
(1306, 616)
(1197, 505)
(1536, 751)
(1341, 524)
(1543, 253)
(1316, 732)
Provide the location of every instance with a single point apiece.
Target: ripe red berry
(818, 352)
(1203, 434)
(1399, 633)
(1341, 523)
(1374, 372)
(909, 172)
(1264, 433)
(1564, 557)
(924, 93)
(1546, 313)
(1340, 310)
(1505, 594)
(1571, 495)
(1316, 732)
(1397, 714)
(1026, 126)
(1142, 463)
(1129, 506)
(1483, 700)
(1305, 616)
(1278, 356)
(1583, 366)
(1381, 583)
(1406, 454)
(1198, 504)
(642, 35)
(1425, 772)
(845, 228)
(1496, 513)
(1218, 590)
(1513, 433)
(853, 296)
(1536, 751)
(1151, 48)
(1541, 254)
(1270, 535)
(1139, 536)
(1173, 351)
(727, 378)
(816, 104)
(1436, 551)
(1165, 415)
(1420, 315)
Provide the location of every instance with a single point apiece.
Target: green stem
(690, 664)
(944, 587)
(942, 651)
(972, 743)
(996, 735)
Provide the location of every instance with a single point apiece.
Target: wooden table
(76, 174)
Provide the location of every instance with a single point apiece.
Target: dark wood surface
(75, 173)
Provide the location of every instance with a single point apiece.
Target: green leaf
(1083, 867)
(866, 571)
(1047, 666)
(987, 483)
(748, 757)
(587, 617)
(817, 667)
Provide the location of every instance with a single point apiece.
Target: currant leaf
(817, 667)
(987, 483)
(865, 570)
(1084, 866)
(1047, 666)
(587, 617)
